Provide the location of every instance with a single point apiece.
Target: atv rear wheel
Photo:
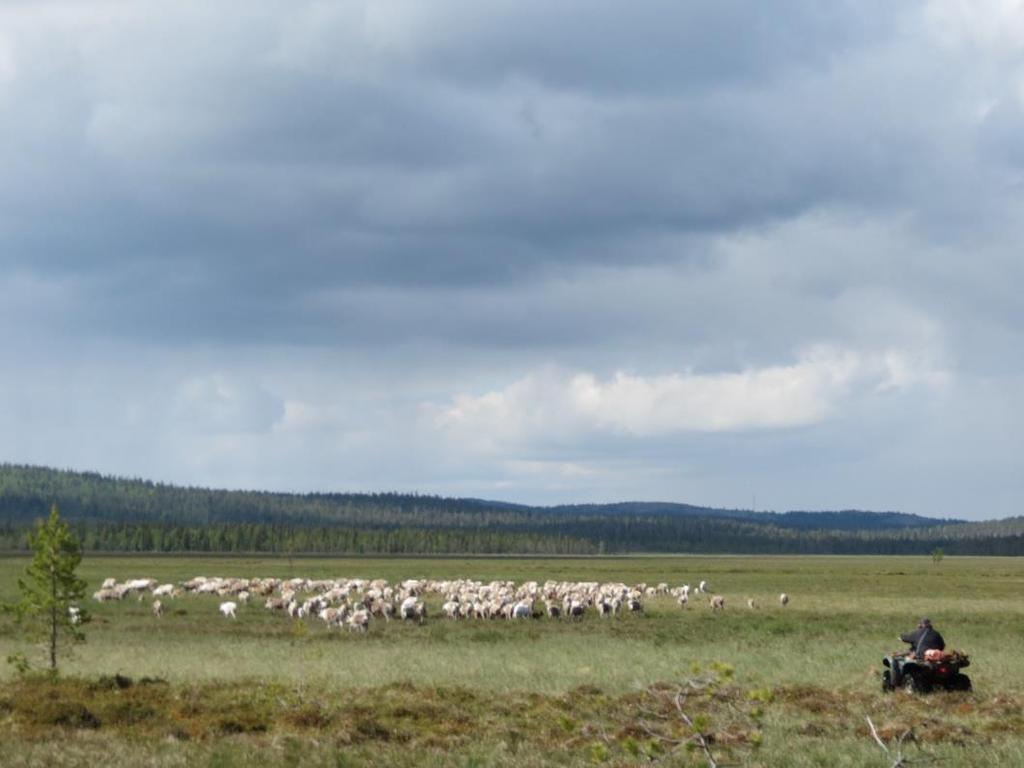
(958, 682)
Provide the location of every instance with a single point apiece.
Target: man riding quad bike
(926, 665)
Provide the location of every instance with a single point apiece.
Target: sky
(721, 253)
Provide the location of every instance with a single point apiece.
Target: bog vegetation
(769, 686)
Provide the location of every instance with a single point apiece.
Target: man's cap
(925, 622)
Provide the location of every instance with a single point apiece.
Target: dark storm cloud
(219, 172)
(658, 47)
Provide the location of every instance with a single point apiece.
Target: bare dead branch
(660, 736)
(702, 741)
(878, 739)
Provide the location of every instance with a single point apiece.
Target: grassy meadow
(193, 688)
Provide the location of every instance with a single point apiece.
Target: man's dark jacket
(924, 639)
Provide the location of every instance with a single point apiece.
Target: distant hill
(130, 514)
(844, 520)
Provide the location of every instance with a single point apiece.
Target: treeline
(130, 515)
(692, 536)
(278, 539)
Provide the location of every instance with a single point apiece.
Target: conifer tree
(51, 590)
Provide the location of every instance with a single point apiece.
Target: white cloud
(557, 406)
(302, 416)
(221, 404)
(995, 26)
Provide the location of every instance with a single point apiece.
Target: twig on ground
(899, 760)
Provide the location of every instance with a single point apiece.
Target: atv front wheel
(887, 685)
(917, 682)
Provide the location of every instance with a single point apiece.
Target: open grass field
(269, 690)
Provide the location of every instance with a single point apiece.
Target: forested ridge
(134, 515)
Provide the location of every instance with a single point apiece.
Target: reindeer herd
(354, 603)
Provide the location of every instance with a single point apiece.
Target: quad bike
(938, 670)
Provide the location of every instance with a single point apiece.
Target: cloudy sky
(712, 252)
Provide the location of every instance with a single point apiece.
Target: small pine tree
(51, 589)
(937, 554)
